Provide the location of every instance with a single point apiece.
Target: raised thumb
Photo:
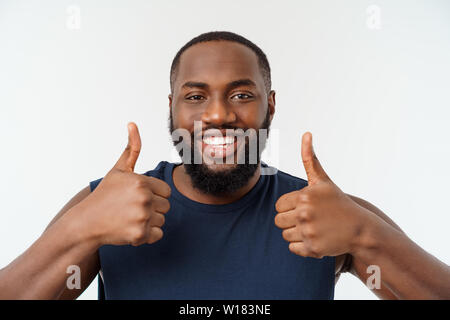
(313, 168)
(129, 156)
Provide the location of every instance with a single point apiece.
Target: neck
(183, 183)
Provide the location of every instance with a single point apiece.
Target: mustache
(220, 131)
(221, 128)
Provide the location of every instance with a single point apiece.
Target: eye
(241, 96)
(195, 97)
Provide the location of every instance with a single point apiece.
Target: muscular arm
(359, 268)
(407, 271)
(40, 272)
(125, 209)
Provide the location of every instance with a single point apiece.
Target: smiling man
(215, 226)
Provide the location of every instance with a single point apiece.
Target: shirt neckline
(211, 208)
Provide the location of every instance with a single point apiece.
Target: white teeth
(218, 140)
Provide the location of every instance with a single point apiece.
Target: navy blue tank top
(231, 251)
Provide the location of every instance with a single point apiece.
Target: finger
(292, 234)
(160, 204)
(313, 168)
(159, 187)
(128, 159)
(156, 234)
(299, 248)
(286, 202)
(156, 220)
(286, 220)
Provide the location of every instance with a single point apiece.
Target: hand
(319, 220)
(127, 208)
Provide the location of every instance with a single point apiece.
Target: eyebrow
(193, 84)
(231, 85)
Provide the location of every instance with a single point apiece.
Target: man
(219, 228)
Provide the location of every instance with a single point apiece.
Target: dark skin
(127, 208)
(209, 69)
(218, 85)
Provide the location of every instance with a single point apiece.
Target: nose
(218, 113)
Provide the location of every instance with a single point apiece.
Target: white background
(376, 100)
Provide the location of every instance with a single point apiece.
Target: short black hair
(224, 36)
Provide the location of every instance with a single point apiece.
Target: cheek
(252, 116)
(184, 117)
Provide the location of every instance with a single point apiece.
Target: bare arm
(126, 208)
(40, 272)
(91, 265)
(321, 220)
(407, 271)
(357, 267)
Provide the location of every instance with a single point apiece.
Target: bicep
(80, 196)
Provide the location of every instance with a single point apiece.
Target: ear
(170, 101)
(271, 103)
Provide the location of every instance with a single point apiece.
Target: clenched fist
(319, 220)
(126, 208)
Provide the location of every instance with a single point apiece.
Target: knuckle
(139, 183)
(303, 197)
(142, 216)
(144, 198)
(137, 236)
(308, 252)
(304, 215)
(298, 217)
(309, 232)
(315, 250)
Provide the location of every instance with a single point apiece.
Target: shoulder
(158, 172)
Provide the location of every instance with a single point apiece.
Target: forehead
(217, 63)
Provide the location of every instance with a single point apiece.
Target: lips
(216, 146)
(218, 141)
(215, 149)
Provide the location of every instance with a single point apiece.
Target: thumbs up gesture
(126, 208)
(319, 220)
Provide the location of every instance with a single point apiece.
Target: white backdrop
(369, 79)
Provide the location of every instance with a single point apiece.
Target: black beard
(226, 181)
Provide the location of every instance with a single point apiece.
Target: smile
(218, 147)
(218, 141)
